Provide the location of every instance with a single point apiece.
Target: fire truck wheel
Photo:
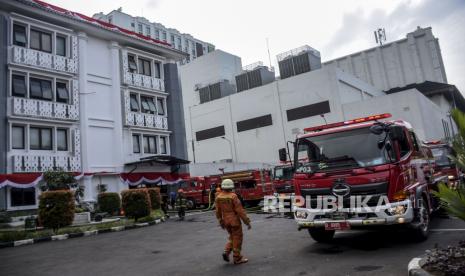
(420, 228)
(321, 235)
(190, 204)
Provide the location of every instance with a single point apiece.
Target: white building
(86, 98)
(251, 125)
(141, 25)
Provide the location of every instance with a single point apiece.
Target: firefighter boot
(226, 256)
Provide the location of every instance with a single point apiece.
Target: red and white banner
(26, 180)
(135, 179)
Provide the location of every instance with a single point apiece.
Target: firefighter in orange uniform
(229, 213)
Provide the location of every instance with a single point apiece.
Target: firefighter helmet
(227, 184)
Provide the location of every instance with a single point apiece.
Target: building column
(3, 97)
(83, 120)
(175, 112)
(117, 105)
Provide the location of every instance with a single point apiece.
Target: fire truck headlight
(301, 214)
(451, 177)
(396, 210)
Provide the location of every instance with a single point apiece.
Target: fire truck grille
(375, 191)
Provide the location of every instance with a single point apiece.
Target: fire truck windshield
(283, 173)
(441, 156)
(341, 150)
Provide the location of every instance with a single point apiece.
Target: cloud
(359, 25)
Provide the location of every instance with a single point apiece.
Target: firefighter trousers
(234, 243)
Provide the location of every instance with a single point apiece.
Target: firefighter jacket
(229, 211)
(181, 202)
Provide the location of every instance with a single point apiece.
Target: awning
(26, 180)
(166, 178)
(160, 159)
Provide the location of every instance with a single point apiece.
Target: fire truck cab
(442, 153)
(367, 161)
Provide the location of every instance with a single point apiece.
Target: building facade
(141, 25)
(85, 97)
(250, 125)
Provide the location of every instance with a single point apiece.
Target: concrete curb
(414, 267)
(79, 234)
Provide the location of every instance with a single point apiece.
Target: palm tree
(453, 200)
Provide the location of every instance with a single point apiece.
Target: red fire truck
(282, 179)
(442, 152)
(251, 186)
(381, 164)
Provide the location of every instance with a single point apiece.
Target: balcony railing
(146, 120)
(26, 56)
(70, 162)
(144, 81)
(47, 109)
(42, 163)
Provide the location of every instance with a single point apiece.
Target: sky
(333, 27)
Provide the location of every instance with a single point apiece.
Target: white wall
(414, 59)
(410, 105)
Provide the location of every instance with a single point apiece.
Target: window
(163, 145)
(110, 19)
(19, 35)
(62, 94)
(62, 139)
(132, 24)
(164, 36)
(178, 41)
(139, 26)
(414, 141)
(161, 106)
(157, 70)
(147, 30)
(157, 34)
(135, 143)
(61, 46)
(40, 89)
(404, 146)
(172, 39)
(132, 63)
(41, 41)
(144, 67)
(134, 102)
(17, 137)
(19, 85)
(150, 144)
(23, 197)
(148, 105)
(40, 138)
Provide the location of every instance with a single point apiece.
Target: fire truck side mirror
(282, 155)
(396, 133)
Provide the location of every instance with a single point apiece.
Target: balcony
(42, 163)
(142, 81)
(30, 57)
(47, 109)
(146, 120)
(49, 160)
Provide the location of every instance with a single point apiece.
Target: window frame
(162, 102)
(146, 141)
(41, 145)
(14, 31)
(23, 128)
(22, 190)
(65, 41)
(13, 90)
(41, 41)
(58, 98)
(143, 64)
(42, 82)
(135, 97)
(137, 137)
(132, 61)
(66, 147)
(163, 150)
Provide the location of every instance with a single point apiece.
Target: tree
(453, 200)
(61, 180)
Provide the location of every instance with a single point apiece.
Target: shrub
(56, 209)
(155, 198)
(109, 203)
(61, 180)
(136, 203)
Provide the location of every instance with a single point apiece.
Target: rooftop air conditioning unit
(298, 61)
